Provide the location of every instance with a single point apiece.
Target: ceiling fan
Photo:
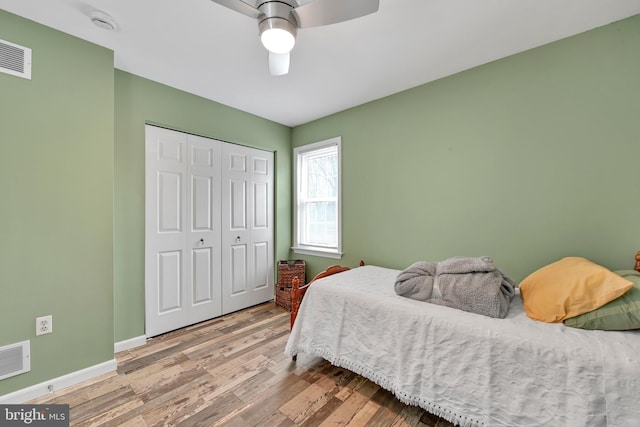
(279, 20)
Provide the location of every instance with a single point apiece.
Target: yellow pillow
(569, 287)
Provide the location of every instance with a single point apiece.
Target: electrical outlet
(44, 325)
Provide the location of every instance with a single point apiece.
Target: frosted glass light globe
(278, 40)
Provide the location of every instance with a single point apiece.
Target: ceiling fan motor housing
(277, 14)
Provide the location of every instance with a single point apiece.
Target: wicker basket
(287, 270)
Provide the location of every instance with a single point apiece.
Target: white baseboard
(42, 389)
(130, 343)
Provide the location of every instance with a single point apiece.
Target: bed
(469, 369)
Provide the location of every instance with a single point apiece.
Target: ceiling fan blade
(326, 12)
(240, 6)
(278, 63)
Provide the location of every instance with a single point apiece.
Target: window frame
(307, 249)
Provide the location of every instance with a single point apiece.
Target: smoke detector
(103, 20)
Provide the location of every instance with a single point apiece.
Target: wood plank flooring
(231, 371)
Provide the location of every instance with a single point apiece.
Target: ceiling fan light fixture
(279, 20)
(277, 35)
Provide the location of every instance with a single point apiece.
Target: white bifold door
(247, 234)
(209, 229)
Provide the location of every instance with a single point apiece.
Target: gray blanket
(466, 283)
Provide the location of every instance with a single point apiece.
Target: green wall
(56, 187)
(139, 101)
(526, 159)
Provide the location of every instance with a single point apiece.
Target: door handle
(201, 242)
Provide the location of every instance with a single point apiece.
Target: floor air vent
(14, 359)
(15, 59)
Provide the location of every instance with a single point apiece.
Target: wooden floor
(232, 371)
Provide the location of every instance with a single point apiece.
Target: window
(317, 228)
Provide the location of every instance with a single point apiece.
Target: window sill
(317, 252)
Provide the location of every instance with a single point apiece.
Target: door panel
(201, 203)
(169, 281)
(237, 160)
(260, 165)
(261, 262)
(169, 202)
(238, 204)
(201, 276)
(238, 270)
(260, 204)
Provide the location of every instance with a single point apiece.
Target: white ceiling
(208, 50)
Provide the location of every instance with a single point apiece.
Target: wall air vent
(15, 359)
(15, 59)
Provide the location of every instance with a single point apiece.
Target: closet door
(203, 242)
(247, 221)
(182, 231)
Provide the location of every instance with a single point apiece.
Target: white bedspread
(467, 368)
